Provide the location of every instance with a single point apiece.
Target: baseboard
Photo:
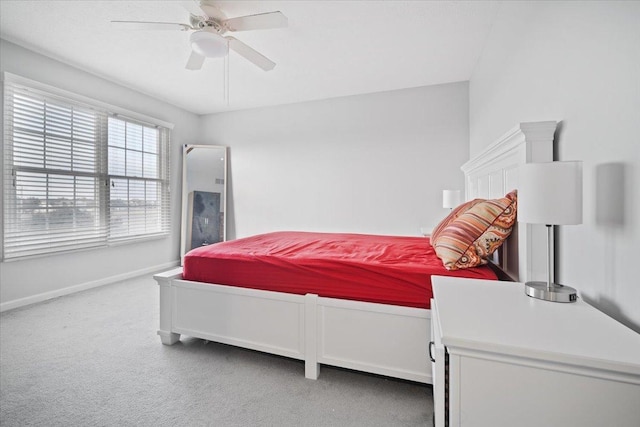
(21, 302)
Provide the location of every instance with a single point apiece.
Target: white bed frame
(377, 338)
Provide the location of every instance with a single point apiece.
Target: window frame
(13, 84)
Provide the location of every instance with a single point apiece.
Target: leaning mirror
(204, 196)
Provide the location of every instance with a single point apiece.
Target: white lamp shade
(550, 193)
(208, 44)
(451, 198)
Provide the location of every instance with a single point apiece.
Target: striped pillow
(455, 213)
(467, 240)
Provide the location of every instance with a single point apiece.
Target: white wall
(38, 278)
(577, 63)
(373, 163)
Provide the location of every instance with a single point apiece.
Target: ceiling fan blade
(147, 25)
(193, 7)
(250, 54)
(261, 21)
(195, 61)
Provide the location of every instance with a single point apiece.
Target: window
(135, 202)
(77, 174)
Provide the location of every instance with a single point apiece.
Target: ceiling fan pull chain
(226, 80)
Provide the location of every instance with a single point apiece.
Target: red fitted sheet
(382, 269)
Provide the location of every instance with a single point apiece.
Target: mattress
(381, 269)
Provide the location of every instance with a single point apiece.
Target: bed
(317, 323)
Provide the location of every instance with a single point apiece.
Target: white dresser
(505, 359)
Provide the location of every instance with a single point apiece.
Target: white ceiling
(330, 48)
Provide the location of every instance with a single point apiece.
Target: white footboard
(376, 338)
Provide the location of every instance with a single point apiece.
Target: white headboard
(494, 172)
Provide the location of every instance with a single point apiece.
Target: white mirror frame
(187, 187)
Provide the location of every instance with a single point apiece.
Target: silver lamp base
(554, 293)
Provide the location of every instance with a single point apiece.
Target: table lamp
(550, 194)
(451, 198)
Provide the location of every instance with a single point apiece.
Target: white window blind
(76, 175)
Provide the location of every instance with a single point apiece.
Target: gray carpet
(94, 359)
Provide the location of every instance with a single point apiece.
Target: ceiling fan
(209, 25)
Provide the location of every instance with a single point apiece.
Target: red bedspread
(382, 269)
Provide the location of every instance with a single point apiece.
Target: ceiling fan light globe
(209, 44)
